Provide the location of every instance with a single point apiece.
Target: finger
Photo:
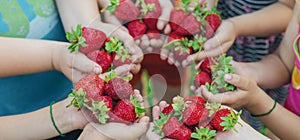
(125, 38)
(193, 88)
(164, 54)
(167, 29)
(238, 81)
(155, 43)
(223, 98)
(76, 75)
(84, 64)
(149, 49)
(177, 63)
(120, 71)
(155, 113)
(175, 99)
(145, 43)
(171, 59)
(135, 68)
(138, 95)
(162, 105)
(137, 42)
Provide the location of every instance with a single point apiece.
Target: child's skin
(271, 20)
(273, 71)
(86, 13)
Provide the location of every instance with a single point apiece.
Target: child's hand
(244, 96)
(218, 44)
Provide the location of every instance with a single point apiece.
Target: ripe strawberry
(153, 34)
(117, 60)
(194, 99)
(100, 57)
(137, 29)
(225, 119)
(151, 11)
(85, 39)
(127, 110)
(92, 85)
(194, 114)
(214, 21)
(174, 36)
(176, 17)
(189, 26)
(175, 130)
(202, 78)
(205, 124)
(118, 88)
(124, 10)
(205, 66)
(168, 110)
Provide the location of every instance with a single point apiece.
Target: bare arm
(38, 125)
(271, 20)
(25, 56)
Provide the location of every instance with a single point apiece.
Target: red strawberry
(174, 36)
(213, 20)
(176, 17)
(168, 110)
(189, 26)
(194, 99)
(118, 88)
(125, 10)
(101, 57)
(194, 114)
(107, 100)
(182, 53)
(175, 130)
(98, 110)
(120, 60)
(206, 124)
(224, 119)
(150, 17)
(137, 29)
(205, 66)
(92, 85)
(202, 78)
(153, 34)
(125, 111)
(85, 39)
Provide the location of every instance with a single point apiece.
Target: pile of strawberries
(111, 100)
(211, 74)
(191, 28)
(140, 18)
(96, 46)
(191, 117)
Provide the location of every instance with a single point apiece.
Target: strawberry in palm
(137, 28)
(124, 9)
(225, 119)
(85, 39)
(120, 55)
(151, 10)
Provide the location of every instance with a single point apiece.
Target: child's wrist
(260, 103)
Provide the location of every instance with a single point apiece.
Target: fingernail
(97, 70)
(228, 77)
(207, 47)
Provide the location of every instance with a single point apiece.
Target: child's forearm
(73, 12)
(26, 56)
(271, 20)
(38, 124)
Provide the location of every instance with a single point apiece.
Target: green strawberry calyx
(76, 39)
(212, 108)
(198, 43)
(112, 74)
(179, 107)
(139, 111)
(231, 120)
(79, 98)
(113, 6)
(99, 109)
(204, 134)
(182, 43)
(114, 45)
(145, 8)
(159, 124)
(220, 68)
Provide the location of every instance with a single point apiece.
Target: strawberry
(189, 26)
(118, 88)
(102, 58)
(151, 10)
(194, 114)
(173, 36)
(85, 39)
(127, 110)
(181, 53)
(124, 10)
(225, 119)
(202, 78)
(214, 21)
(168, 110)
(194, 99)
(153, 34)
(176, 17)
(120, 60)
(206, 124)
(137, 29)
(205, 66)
(175, 130)
(204, 133)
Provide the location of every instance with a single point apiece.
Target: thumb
(165, 15)
(238, 81)
(84, 64)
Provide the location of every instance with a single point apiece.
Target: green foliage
(160, 124)
(76, 39)
(179, 107)
(138, 108)
(231, 120)
(99, 109)
(79, 98)
(113, 5)
(204, 134)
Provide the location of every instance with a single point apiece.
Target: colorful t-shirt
(250, 48)
(36, 19)
(293, 98)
